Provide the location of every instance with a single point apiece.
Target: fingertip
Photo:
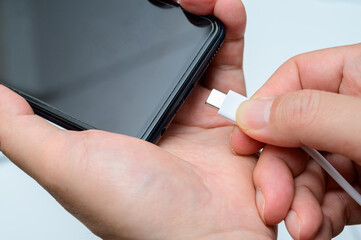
(253, 117)
(233, 15)
(305, 218)
(243, 144)
(274, 179)
(13, 104)
(201, 7)
(293, 224)
(231, 12)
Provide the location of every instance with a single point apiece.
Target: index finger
(325, 70)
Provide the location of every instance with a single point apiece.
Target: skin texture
(191, 186)
(314, 100)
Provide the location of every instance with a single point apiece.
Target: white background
(276, 31)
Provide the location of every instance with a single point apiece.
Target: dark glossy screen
(108, 63)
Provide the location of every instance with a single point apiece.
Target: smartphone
(124, 66)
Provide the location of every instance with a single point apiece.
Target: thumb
(322, 120)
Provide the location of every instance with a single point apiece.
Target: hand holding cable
(312, 100)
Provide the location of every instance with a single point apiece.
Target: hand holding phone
(191, 186)
(120, 66)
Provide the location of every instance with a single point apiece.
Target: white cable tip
(228, 105)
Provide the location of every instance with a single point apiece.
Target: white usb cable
(227, 105)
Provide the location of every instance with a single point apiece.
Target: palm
(227, 178)
(192, 180)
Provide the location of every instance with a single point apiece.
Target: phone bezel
(189, 79)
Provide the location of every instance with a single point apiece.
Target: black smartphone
(123, 66)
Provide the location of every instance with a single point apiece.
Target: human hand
(312, 100)
(190, 187)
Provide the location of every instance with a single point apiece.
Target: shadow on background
(3, 159)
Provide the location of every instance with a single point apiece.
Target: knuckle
(306, 108)
(350, 83)
(301, 108)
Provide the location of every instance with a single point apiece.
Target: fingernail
(233, 151)
(260, 203)
(254, 114)
(293, 223)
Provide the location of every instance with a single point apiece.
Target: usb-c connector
(227, 104)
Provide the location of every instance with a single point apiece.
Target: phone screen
(111, 64)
